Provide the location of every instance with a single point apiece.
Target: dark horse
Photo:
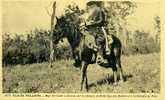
(83, 53)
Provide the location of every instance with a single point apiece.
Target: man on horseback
(96, 23)
(82, 39)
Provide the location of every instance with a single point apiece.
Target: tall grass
(142, 74)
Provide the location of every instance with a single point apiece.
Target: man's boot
(108, 47)
(99, 59)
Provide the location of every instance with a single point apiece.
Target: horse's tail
(121, 48)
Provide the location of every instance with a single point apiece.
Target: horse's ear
(57, 18)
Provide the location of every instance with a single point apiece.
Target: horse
(85, 53)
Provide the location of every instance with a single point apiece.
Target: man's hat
(98, 3)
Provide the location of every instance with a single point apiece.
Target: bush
(34, 48)
(141, 43)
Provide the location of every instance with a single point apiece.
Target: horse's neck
(73, 35)
(74, 40)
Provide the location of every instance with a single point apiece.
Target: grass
(142, 73)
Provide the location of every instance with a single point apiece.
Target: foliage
(117, 14)
(142, 43)
(157, 28)
(34, 48)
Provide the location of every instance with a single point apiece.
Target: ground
(142, 74)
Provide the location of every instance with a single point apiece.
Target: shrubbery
(141, 43)
(34, 48)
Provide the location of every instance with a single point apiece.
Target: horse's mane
(75, 35)
(70, 30)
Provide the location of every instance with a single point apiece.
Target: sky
(23, 16)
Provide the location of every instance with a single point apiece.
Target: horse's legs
(115, 64)
(83, 74)
(117, 53)
(119, 68)
(86, 82)
(115, 75)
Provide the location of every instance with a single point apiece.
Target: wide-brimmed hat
(98, 3)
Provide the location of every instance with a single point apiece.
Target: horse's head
(59, 29)
(66, 28)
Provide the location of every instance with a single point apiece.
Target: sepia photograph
(81, 46)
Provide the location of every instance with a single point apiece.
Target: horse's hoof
(121, 81)
(50, 66)
(115, 84)
(86, 90)
(81, 88)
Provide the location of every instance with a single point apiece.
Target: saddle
(89, 41)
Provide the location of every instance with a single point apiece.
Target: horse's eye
(90, 44)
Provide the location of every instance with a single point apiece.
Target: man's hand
(83, 27)
(82, 24)
(89, 23)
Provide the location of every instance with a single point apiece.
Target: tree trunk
(51, 35)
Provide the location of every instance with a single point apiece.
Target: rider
(96, 24)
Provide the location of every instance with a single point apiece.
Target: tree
(118, 12)
(158, 29)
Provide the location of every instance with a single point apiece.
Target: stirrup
(107, 52)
